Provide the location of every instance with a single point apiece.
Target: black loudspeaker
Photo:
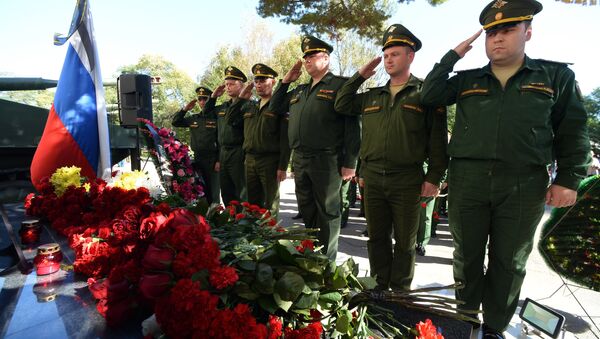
(135, 98)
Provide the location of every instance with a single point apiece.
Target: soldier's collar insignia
(499, 4)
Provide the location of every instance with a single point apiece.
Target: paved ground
(435, 269)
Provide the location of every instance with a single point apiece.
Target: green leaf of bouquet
(339, 279)
(330, 297)
(313, 283)
(246, 265)
(264, 279)
(289, 286)
(283, 304)
(270, 257)
(268, 303)
(302, 311)
(201, 207)
(286, 251)
(202, 277)
(309, 265)
(307, 301)
(243, 290)
(368, 283)
(342, 323)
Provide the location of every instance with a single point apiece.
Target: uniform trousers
(204, 165)
(491, 202)
(261, 180)
(318, 181)
(231, 175)
(392, 206)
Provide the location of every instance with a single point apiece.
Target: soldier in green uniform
(399, 133)
(513, 117)
(231, 137)
(203, 135)
(265, 140)
(319, 136)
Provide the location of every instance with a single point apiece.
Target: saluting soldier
(265, 140)
(324, 154)
(513, 116)
(399, 133)
(203, 136)
(231, 137)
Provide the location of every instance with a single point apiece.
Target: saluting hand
(190, 105)
(218, 91)
(466, 45)
(559, 196)
(294, 73)
(246, 93)
(368, 70)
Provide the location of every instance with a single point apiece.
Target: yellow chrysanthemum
(130, 180)
(65, 177)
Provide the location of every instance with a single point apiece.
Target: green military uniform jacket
(314, 124)
(203, 131)
(399, 134)
(538, 117)
(231, 131)
(265, 132)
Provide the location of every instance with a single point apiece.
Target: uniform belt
(382, 169)
(263, 154)
(307, 152)
(497, 165)
(231, 146)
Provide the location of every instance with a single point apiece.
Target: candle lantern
(30, 231)
(48, 259)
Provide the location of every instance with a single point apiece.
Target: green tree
(39, 98)
(591, 102)
(365, 17)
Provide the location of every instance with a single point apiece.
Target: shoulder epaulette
(555, 62)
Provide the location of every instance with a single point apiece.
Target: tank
(21, 128)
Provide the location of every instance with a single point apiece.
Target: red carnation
(426, 330)
(222, 277)
(275, 327)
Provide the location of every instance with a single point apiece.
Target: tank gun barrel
(25, 84)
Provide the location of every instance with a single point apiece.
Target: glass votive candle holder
(48, 259)
(30, 231)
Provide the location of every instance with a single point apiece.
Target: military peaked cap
(234, 73)
(312, 45)
(503, 13)
(203, 92)
(263, 71)
(398, 35)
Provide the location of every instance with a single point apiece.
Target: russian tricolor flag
(76, 132)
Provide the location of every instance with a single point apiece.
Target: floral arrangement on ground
(569, 241)
(227, 272)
